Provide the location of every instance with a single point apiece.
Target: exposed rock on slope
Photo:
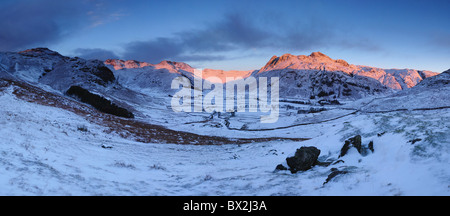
(121, 64)
(316, 84)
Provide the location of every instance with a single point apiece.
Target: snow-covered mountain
(41, 65)
(317, 75)
(317, 61)
(146, 75)
(431, 93)
(141, 75)
(315, 84)
(302, 77)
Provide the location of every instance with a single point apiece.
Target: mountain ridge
(397, 79)
(392, 78)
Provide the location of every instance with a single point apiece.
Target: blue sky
(240, 35)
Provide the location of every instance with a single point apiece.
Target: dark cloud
(29, 23)
(100, 54)
(236, 32)
(232, 33)
(154, 50)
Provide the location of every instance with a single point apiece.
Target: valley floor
(46, 150)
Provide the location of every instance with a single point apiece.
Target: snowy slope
(55, 152)
(431, 93)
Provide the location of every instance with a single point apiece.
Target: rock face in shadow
(334, 172)
(356, 143)
(304, 159)
(352, 142)
(98, 102)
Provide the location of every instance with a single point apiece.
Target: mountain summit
(171, 66)
(392, 78)
(315, 61)
(40, 51)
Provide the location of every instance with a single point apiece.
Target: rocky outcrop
(356, 142)
(334, 172)
(307, 157)
(304, 159)
(352, 142)
(129, 64)
(99, 70)
(98, 102)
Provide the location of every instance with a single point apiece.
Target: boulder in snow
(304, 159)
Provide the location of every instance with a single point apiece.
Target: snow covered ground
(50, 151)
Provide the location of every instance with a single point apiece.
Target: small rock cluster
(307, 157)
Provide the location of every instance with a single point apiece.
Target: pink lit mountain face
(173, 67)
(317, 61)
(391, 78)
(121, 64)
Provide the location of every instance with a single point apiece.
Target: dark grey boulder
(280, 167)
(304, 159)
